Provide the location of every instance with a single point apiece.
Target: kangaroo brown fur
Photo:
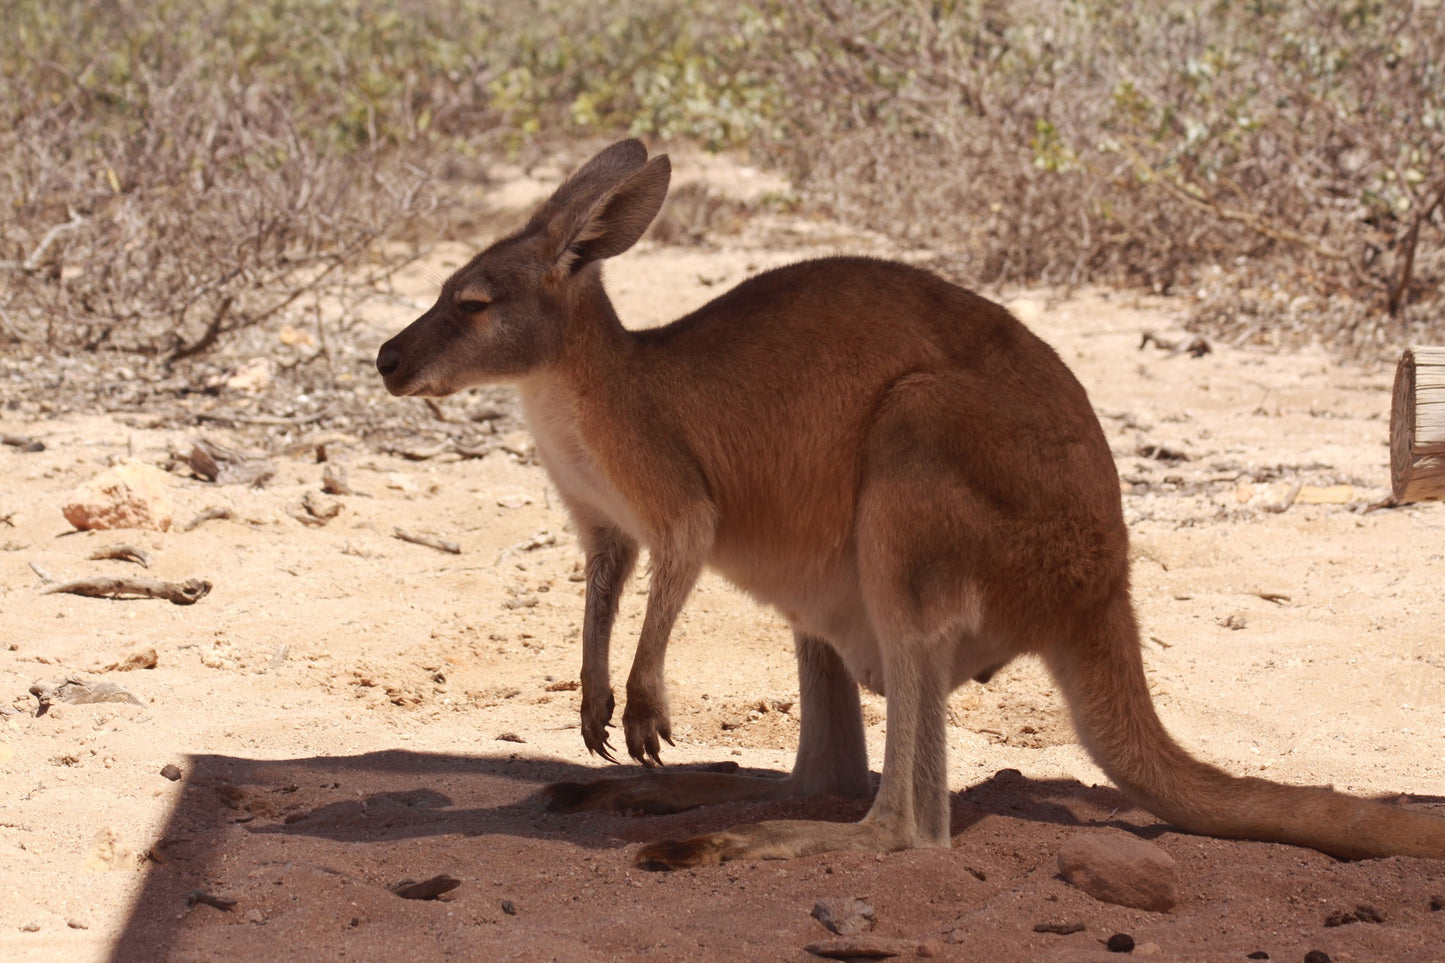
(897, 465)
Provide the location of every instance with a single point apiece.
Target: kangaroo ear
(605, 207)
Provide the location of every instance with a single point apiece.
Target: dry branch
(206, 515)
(23, 443)
(123, 553)
(430, 541)
(189, 592)
(76, 691)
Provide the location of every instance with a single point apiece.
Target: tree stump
(1417, 426)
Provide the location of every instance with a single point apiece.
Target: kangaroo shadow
(377, 818)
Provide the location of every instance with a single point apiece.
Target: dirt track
(349, 711)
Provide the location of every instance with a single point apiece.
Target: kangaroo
(909, 475)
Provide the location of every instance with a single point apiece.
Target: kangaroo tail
(1101, 673)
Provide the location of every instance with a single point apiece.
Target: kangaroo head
(508, 311)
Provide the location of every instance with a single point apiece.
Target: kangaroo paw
(774, 839)
(646, 725)
(596, 715)
(706, 850)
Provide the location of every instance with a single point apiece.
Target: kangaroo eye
(472, 306)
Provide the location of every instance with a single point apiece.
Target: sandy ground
(348, 711)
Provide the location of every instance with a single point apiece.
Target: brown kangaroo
(897, 465)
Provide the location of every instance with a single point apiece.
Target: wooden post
(1417, 426)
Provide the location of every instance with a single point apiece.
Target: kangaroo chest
(553, 417)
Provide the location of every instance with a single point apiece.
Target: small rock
(1148, 949)
(252, 377)
(130, 495)
(296, 337)
(402, 482)
(1362, 913)
(509, 737)
(509, 907)
(333, 480)
(520, 444)
(201, 897)
(1120, 943)
(254, 916)
(107, 852)
(1317, 956)
(846, 917)
(171, 771)
(319, 510)
(1257, 955)
(1060, 929)
(1437, 903)
(1121, 869)
(143, 659)
(929, 949)
(77, 924)
(31, 927)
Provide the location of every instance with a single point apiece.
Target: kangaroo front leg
(676, 565)
(610, 557)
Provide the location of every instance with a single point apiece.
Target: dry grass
(177, 172)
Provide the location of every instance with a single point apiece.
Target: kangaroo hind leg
(832, 755)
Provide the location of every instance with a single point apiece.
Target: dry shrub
(169, 180)
(1260, 153)
(175, 171)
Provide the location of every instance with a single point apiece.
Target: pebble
(848, 916)
(130, 495)
(1115, 867)
(1317, 956)
(1120, 943)
(171, 771)
(1061, 929)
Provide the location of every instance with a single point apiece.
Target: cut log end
(1417, 426)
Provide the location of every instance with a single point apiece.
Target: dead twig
(270, 421)
(189, 592)
(430, 541)
(123, 553)
(206, 515)
(23, 443)
(76, 691)
(1400, 290)
(1283, 505)
(226, 466)
(426, 889)
(1196, 347)
(201, 896)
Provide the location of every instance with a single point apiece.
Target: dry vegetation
(176, 172)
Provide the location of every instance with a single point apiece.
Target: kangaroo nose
(388, 359)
